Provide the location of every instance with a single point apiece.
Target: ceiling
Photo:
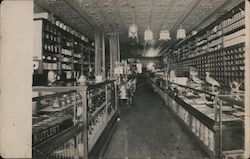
(116, 15)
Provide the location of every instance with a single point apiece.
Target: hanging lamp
(164, 34)
(181, 34)
(132, 31)
(148, 35)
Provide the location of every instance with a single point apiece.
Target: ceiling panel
(117, 15)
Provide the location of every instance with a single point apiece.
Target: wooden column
(118, 51)
(114, 51)
(103, 57)
(99, 54)
(16, 49)
(85, 123)
(247, 80)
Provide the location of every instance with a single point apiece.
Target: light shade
(148, 35)
(181, 34)
(164, 35)
(132, 32)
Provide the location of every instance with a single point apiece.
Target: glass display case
(70, 121)
(215, 121)
(53, 113)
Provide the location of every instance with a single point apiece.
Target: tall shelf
(219, 49)
(60, 48)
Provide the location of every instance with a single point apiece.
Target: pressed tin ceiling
(117, 15)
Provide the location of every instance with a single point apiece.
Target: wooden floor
(148, 130)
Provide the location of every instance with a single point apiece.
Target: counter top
(201, 108)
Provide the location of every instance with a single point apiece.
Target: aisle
(147, 129)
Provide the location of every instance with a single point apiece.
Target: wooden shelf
(99, 147)
(51, 109)
(67, 55)
(50, 61)
(50, 52)
(98, 93)
(65, 62)
(47, 41)
(67, 47)
(234, 30)
(243, 17)
(98, 134)
(98, 109)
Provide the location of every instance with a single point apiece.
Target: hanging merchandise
(148, 35)
(181, 34)
(164, 34)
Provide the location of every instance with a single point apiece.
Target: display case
(101, 105)
(215, 122)
(73, 121)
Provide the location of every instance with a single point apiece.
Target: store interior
(133, 79)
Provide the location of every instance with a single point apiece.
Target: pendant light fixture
(181, 34)
(132, 31)
(148, 34)
(164, 34)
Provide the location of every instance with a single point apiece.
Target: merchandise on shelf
(218, 49)
(96, 127)
(60, 48)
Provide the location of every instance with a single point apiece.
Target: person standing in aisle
(123, 95)
(129, 91)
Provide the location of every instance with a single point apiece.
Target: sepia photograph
(124, 79)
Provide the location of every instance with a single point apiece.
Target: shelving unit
(60, 48)
(73, 121)
(219, 49)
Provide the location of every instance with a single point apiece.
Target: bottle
(56, 103)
